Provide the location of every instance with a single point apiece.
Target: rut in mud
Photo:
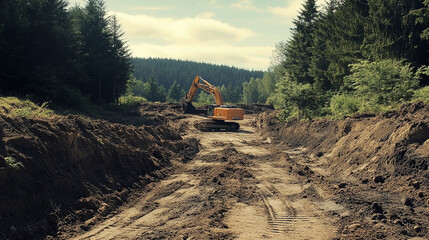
(238, 187)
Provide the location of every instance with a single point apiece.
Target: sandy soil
(154, 176)
(239, 186)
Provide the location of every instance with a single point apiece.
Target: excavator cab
(210, 110)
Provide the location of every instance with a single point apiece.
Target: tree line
(349, 56)
(158, 79)
(68, 55)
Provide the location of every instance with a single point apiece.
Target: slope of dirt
(239, 186)
(72, 171)
(375, 165)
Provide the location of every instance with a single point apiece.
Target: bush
(131, 100)
(342, 105)
(422, 94)
(386, 82)
(296, 100)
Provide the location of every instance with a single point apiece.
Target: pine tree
(250, 91)
(320, 61)
(175, 92)
(345, 39)
(120, 57)
(297, 51)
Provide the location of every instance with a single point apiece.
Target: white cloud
(184, 30)
(238, 56)
(291, 10)
(151, 8)
(201, 38)
(244, 4)
(206, 15)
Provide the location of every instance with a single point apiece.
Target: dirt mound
(70, 169)
(255, 108)
(377, 165)
(394, 142)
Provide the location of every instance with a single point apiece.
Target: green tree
(231, 93)
(135, 87)
(36, 52)
(103, 54)
(175, 92)
(393, 31)
(250, 91)
(386, 82)
(297, 52)
(204, 98)
(296, 100)
(152, 89)
(423, 19)
(119, 56)
(320, 60)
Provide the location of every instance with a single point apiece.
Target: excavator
(218, 114)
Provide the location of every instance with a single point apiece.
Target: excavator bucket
(187, 107)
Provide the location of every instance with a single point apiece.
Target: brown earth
(375, 166)
(71, 170)
(363, 177)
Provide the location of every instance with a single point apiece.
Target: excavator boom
(200, 83)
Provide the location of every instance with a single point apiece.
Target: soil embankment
(376, 165)
(156, 177)
(71, 171)
(237, 187)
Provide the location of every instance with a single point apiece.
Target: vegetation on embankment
(347, 57)
(58, 170)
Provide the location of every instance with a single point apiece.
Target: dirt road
(239, 186)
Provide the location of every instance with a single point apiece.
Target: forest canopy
(50, 52)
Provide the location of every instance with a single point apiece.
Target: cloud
(256, 57)
(244, 4)
(151, 8)
(291, 10)
(206, 15)
(184, 30)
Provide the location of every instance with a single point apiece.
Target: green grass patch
(16, 107)
(12, 163)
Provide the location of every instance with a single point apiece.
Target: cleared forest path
(240, 186)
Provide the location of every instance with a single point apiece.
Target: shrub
(386, 82)
(422, 94)
(131, 100)
(12, 163)
(342, 105)
(296, 100)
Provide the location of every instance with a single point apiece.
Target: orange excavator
(218, 113)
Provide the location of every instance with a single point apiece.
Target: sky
(239, 33)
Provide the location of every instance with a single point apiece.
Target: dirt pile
(394, 142)
(70, 169)
(377, 165)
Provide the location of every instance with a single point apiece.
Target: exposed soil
(375, 166)
(363, 177)
(72, 171)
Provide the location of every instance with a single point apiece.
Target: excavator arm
(200, 83)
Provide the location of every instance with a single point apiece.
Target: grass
(16, 107)
(12, 163)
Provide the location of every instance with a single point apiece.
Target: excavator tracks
(217, 126)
